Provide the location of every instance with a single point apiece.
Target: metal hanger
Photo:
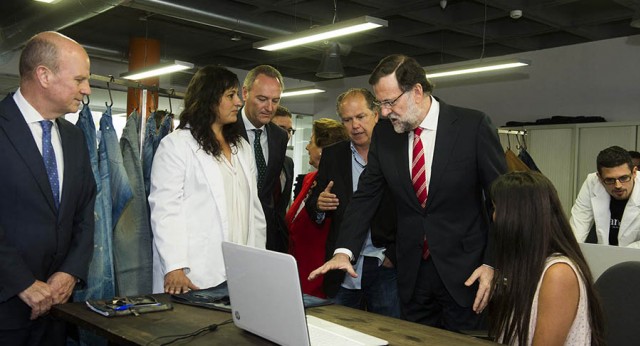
(524, 140)
(111, 79)
(172, 92)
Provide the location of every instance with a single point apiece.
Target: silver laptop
(266, 300)
(601, 257)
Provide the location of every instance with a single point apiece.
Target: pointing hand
(327, 201)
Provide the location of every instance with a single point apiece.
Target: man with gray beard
(439, 162)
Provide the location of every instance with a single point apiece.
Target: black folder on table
(218, 298)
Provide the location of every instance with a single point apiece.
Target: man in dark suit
(439, 162)
(261, 93)
(376, 287)
(282, 194)
(47, 193)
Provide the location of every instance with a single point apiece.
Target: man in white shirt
(608, 200)
(261, 92)
(47, 193)
(438, 161)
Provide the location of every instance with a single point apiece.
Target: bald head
(44, 49)
(54, 74)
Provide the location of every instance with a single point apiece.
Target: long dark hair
(530, 226)
(200, 107)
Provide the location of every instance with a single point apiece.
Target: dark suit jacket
(467, 158)
(35, 241)
(283, 198)
(336, 165)
(277, 238)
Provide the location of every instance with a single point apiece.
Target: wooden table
(184, 319)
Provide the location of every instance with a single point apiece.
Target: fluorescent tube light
(635, 20)
(48, 1)
(478, 67)
(322, 33)
(298, 92)
(157, 70)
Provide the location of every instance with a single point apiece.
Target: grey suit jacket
(35, 239)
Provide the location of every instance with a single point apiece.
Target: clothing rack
(512, 132)
(131, 84)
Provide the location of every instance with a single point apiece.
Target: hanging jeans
(147, 152)
(132, 235)
(165, 128)
(100, 279)
(111, 157)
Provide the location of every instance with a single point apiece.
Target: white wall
(597, 78)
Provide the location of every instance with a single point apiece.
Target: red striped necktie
(419, 178)
(418, 167)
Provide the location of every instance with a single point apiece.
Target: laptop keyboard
(322, 332)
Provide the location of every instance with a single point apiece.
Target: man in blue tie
(47, 192)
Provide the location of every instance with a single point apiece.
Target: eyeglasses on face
(622, 179)
(290, 131)
(389, 104)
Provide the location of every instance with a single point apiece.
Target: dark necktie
(419, 179)
(49, 157)
(261, 164)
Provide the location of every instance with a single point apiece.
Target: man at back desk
(439, 162)
(608, 198)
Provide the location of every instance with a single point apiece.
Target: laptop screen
(266, 297)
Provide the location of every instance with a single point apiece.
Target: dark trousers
(378, 293)
(432, 305)
(45, 330)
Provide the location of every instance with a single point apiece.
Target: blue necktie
(49, 157)
(261, 165)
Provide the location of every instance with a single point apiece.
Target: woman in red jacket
(306, 237)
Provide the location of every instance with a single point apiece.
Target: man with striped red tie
(438, 161)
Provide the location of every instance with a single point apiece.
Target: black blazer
(35, 241)
(467, 158)
(277, 238)
(283, 198)
(336, 165)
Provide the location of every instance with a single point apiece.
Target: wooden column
(143, 52)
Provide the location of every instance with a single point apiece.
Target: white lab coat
(188, 213)
(592, 205)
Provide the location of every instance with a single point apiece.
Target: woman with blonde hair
(307, 238)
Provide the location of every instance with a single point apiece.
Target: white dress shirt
(428, 136)
(264, 140)
(429, 127)
(33, 118)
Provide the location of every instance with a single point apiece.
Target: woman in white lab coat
(203, 188)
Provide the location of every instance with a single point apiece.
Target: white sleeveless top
(580, 331)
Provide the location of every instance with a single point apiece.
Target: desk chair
(619, 289)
